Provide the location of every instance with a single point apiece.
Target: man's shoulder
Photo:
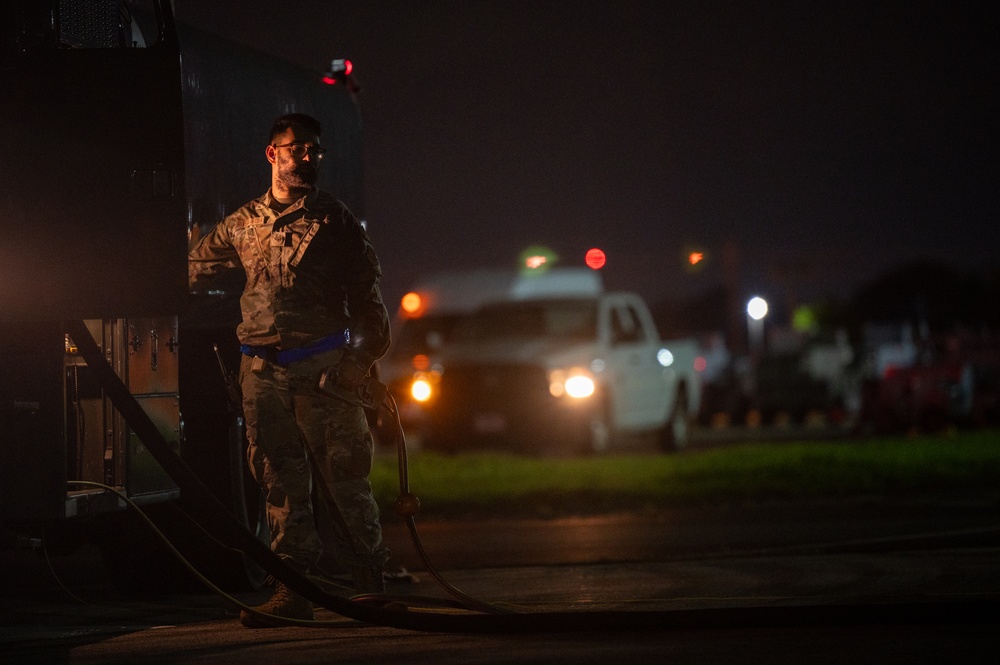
(327, 201)
(330, 207)
(253, 208)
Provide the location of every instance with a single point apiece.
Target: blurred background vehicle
(547, 362)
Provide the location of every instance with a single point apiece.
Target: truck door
(636, 384)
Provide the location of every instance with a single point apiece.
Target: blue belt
(286, 356)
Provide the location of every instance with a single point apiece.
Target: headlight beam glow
(576, 383)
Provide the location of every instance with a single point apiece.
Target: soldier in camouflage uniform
(311, 302)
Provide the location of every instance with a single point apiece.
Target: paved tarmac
(891, 608)
(913, 596)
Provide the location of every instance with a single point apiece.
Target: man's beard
(296, 176)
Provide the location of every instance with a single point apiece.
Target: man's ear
(270, 152)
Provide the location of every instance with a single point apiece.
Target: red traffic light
(596, 258)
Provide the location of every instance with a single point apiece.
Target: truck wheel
(676, 433)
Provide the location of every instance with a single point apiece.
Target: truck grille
(499, 387)
(506, 407)
(490, 406)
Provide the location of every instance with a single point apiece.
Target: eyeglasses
(299, 150)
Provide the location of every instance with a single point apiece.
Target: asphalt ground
(923, 587)
(723, 610)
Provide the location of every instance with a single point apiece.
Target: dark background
(806, 150)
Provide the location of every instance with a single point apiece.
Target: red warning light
(339, 70)
(596, 258)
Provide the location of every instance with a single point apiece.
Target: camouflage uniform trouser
(304, 445)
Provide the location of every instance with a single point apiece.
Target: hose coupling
(407, 505)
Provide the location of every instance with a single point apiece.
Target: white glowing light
(421, 390)
(579, 386)
(757, 308)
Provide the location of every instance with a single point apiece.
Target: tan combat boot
(285, 603)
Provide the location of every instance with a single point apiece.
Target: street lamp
(756, 311)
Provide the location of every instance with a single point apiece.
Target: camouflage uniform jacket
(311, 271)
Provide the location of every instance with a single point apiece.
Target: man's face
(293, 172)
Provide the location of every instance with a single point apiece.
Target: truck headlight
(575, 382)
(424, 386)
(421, 390)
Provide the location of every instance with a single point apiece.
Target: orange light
(534, 262)
(595, 258)
(694, 258)
(412, 304)
(421, 362)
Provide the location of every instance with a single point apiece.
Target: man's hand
(350, 373)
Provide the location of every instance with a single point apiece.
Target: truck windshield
(424, 335)
(546, 319)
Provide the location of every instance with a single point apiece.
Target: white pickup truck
(544, 373)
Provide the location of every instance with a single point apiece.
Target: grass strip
(509, 485)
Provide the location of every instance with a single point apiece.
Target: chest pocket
(246, 240)
(282, 245)
(301, 243)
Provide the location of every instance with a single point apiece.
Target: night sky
(816, 146)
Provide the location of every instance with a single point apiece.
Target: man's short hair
(298, 120)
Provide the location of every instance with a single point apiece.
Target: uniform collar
(304, 202)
